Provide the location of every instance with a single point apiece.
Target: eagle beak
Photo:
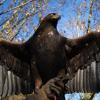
(56, 16)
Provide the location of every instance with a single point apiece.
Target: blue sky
(67, 12)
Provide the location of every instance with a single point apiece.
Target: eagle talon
(36, 90)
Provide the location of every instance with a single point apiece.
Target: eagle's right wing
(14, 71)
(11, 84)
(12, 57)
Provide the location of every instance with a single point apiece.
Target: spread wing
(84, 65)
(11, 84)
(14, 70)
(12, 58)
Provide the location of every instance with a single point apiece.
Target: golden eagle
(43, 56)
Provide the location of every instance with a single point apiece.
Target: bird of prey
(43, 56)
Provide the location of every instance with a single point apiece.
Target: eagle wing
(84, 65)
(14, 71)
(10, 58)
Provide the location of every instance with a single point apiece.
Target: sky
(68, 16)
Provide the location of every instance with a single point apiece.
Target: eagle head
(52, 18)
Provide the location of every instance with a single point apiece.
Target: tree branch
(2, 2)
(21, 5)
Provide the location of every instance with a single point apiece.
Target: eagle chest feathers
(49, 48)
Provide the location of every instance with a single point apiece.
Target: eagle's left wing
(84, 64)
(84, 70)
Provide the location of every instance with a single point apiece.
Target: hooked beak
(56, 16)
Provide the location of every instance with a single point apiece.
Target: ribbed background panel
(10, 84)
(86, 80)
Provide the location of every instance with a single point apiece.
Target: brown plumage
(44, 54)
